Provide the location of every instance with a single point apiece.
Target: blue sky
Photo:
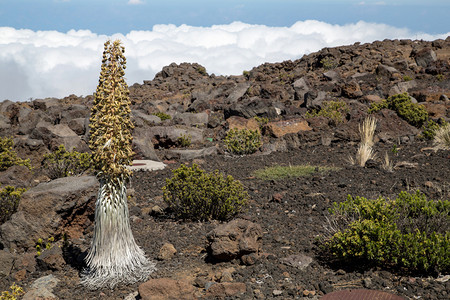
(113, 16)
(52, 48)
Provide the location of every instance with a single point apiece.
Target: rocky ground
(284, 217)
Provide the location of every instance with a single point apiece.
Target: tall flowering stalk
(114, 256)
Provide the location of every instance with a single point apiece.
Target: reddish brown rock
(436, 110)
(239, 123)
(281, 128)
(226, 289)
(166, 289)
(235, 239)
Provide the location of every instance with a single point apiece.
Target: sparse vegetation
(41, 245)
(413, 113)
(261, 121)
(9, 202)
(184, 140)
(407, 78)
(202, 71)
(440, 77)
(16, 292)
(163, 116)
(410, 232)
(194, 194)
(333, 110)
(282, 172)
(8, 157)
(63, 163)
(242, 141)
(328, 63)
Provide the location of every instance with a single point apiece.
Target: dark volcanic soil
(290, 226)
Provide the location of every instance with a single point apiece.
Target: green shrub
(41, 246)
(328, 63)
(430, 128)
(63, 163)
(184, 140)
(333, 110)
(407, 78)
(16, 292)
(243, 141)
(261, 121)
(162, 116)
(9, 202)
(202, 71)
(413, 113)
(194, 194)
(8, 157)
(410, 232)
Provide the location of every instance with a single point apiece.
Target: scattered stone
(132, 296)
(51, 259)
(42, 288)
(277, 293)
(6, 263)
(425, 57)
(167, 252)
(325, 287)
(235, 239)
(281, 128)
(367, 282)
(300, 261)
(226, 289)
(165, 288)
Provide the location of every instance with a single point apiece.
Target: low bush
(184, 140)
(8, 157)
(194, 194)
(16, 292)
(409, 232)
(242, 141)
(9, 202)
(333, 110)
(413, 113)
(63, 163)
(162, 116)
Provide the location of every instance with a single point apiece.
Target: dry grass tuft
(367, 131)
(387, 163)
(442, 138)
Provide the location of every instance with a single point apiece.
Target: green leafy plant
(242, 141)
(328, 63)
(184, 140)
(41, 246)
(413, 113)
(246, 74)
(407, 78)
(8, 157)
(202, 71)
(430, 128)
(16, 291)
(261, 121)
(194, 194)
(395, 149)
(9, 202)
(410, 232)
(333, 110)
(440, 77)
(63, 163)
(163, 116)
(282, 172)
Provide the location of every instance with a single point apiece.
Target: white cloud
(135, 2)
(42, 64)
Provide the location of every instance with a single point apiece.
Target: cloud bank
(39, 64)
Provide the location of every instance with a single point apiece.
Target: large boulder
(281, 128)
(65, 205)
(55, 135)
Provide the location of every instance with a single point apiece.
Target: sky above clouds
(52, 48)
